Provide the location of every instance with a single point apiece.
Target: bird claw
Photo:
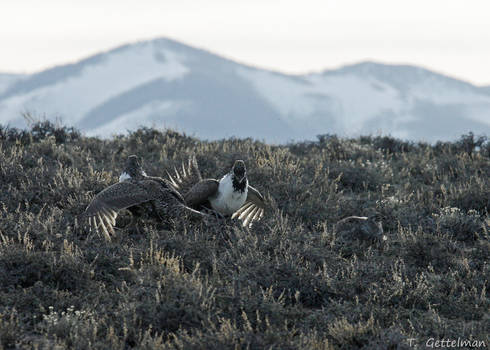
(218, 216)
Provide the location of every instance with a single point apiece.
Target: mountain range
(166, 84)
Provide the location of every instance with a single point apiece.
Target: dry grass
(288, 283)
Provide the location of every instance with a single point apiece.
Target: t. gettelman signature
(449, 343)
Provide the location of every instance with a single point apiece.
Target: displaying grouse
(135, 189)
(230, 196)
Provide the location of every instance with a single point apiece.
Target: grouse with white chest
(135, 192)
(132, 169)
(232, 195)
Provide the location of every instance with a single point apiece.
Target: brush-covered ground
(289, 282)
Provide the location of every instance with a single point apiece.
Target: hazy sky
(451, 37)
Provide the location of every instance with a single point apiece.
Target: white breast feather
(124, 176)
(227, 201)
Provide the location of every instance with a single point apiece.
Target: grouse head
(239, 171)
(132, 169)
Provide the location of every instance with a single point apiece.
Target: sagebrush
(286, 283)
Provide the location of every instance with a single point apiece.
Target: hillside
(7, 80)
(289, 282)
(164, 83)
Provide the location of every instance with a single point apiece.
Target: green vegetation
(287, 283)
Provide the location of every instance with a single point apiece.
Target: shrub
(294, 280)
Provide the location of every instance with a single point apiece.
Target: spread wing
(200, 192)
(187, 176)
(102, 211)
(253, 208)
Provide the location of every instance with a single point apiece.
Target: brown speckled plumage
(360, 228)
(138, 191)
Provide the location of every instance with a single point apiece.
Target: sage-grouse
(360, 228)
(134, 190)
(230, 196)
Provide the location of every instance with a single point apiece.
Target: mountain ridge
(163, 82)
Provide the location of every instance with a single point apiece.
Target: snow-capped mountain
(7, 79)
(163, 83)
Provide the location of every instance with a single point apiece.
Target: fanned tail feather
(186, 177)
(248, 213)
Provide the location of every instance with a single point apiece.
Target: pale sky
(450, 37)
